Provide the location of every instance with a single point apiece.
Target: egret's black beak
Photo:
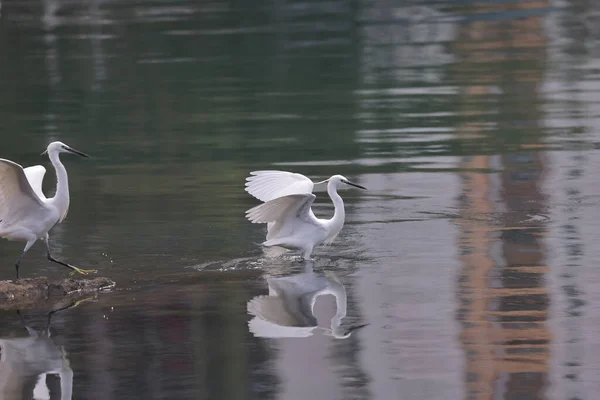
(355, 185)
(72, 150)
(354, 328)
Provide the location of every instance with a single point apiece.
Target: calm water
(474, 124)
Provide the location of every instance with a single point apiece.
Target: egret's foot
(71, 267)
(82, 271)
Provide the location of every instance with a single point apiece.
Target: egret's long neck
(61, 198)
(339, 214)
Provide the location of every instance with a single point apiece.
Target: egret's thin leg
(17, 264)
(27, 247)
(72, 267)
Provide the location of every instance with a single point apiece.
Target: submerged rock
(14, 294)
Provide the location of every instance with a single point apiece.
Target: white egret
(288, 309)
(25, 213)
(26, 361)
(286, 210)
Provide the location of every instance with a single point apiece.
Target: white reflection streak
(565, 105)
(96, 44)
(49, 22)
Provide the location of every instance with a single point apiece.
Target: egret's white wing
(269, 185)
(278, 209)
(18, 200)
(35, 176)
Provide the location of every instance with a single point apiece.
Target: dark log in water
(27, 292)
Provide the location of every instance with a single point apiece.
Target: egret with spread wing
(286, 210)
(25, 213)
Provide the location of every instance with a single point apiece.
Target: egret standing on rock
(25, 213)
(286, 210)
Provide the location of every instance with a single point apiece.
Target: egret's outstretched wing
(269, 185)
(297, 205)
(35, 176)
(18, 200)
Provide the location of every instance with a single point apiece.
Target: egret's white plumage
(288, 310)
(25, 213)
(286, 210)
(269, 185)
(35, 176)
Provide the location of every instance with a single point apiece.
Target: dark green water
(472, 256)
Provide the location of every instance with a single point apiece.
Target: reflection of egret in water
(25, 363)
(288, 309)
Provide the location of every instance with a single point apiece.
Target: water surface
(474, 126)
